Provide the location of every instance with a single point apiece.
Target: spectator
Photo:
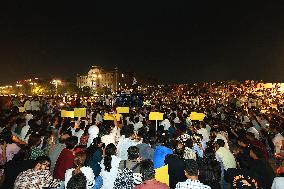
(191, 172)
(148, 176)
(77, 181)
(176, 165)
(38, 177)
(109, 166)
(66, 158)
(260, 168)
(79, 167)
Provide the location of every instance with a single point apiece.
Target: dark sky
(177, 41)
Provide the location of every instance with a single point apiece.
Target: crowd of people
(239, 144)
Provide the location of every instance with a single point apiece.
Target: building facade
(98, 78)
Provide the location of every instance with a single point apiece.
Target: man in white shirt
(166, 124)
(191, 172)
(205, 134)
(27, 105)
(138, 124)
(35, 105)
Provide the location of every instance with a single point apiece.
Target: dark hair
(179, 150)
(6, 136)
(80, 159)
(257, 151)
(133, 152)
(220, 142)
(191, 167)
(42, 159)
(71, 142)
(109, 151)
(34, 140)
(78, 181)
(147, 169)
(189, 143)
(243, 140)
(23, 154)
(130, 131)
(94, 146)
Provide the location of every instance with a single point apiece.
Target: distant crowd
(239, 144)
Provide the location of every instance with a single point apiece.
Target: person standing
(191, 172)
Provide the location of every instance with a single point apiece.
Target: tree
(69, 88)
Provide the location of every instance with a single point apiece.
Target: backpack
(125, 178)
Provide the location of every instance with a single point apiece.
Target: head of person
(179, 149)
(147, 170)
(219, 143)
(78, 181)
(71, 142)
(133, 153)
(242, 142)
(23, 154)
(110, 150)
(250, 136)
(34, 140)
(79, 159)
(255, 153)
(42, 163)
(191, 168)
(6, 136)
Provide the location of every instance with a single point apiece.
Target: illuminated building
(98, 78)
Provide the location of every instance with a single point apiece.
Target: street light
(19, 85)
(56, 82)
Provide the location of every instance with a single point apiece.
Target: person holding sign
(111, 132)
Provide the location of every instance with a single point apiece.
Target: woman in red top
(66, 158)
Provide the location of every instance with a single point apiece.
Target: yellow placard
(122, 110)
(263, 111)
(65, 113)
(194, 116)
(22, 109)
(156, 116)
(110, 117)
(80, 112)
(161, 174)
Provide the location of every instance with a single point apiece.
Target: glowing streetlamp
(18, 86)
(56, 82)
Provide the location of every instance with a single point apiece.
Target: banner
(153, 116)
(122, 110)
(110, 117)
(194, 116)
(65, 113)
(80, 112)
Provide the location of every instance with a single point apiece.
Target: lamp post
(18, 86)
(56, 82)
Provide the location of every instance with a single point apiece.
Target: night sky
(175, 41)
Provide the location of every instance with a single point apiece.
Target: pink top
(11, 150)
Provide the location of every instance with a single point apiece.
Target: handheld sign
(156, 116)
(80, 112)
(65, 113)
(194, 116)
(110, 117)
(122, 110)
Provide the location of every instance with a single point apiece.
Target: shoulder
(88, 172)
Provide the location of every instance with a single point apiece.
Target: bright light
(122, 75)
(100, 76)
